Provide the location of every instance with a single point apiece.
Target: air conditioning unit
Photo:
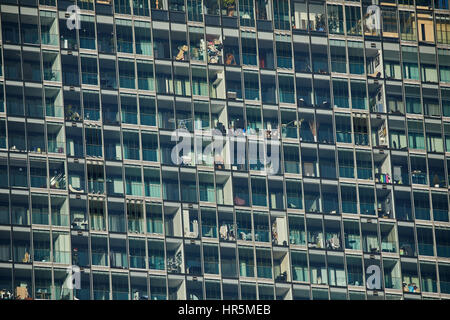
(231, 95)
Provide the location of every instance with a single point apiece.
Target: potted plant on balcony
(231, 7)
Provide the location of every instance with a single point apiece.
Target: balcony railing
(291, 166)
(56, 146)
(137, 261)
(209, 231)
(300, 272)
(249, 59)
(330, 205)
(94, 150)
(246, 269)
(244, 234)
(364, 173)
(284, 62)
(367, 208)
(389, 246)
(49, 38)
(40, 218)
(69, 43)
(30, 36)
(38, 181)
(91, 114)
(352, 242)
(346, 171)
(355, 278)
(445, 286)
(144, 48)
(251, 94)
(152, 190)
(440, 215)
(392, 282)
(419, 178)
(61, 257)
(443, 251)
(43, 291)
(349, 206)
(101, 295)
(362, 139)
(287, 97)
(422, 213)
(96, 186)
(429, 285)
(90, 78)
(42, 255)
(156, 262)
(106, 46)
(264, 271)
(134, 188)
(148, 119)
(60, 219)
(345, 137)
(127, 82)
(87, 43)
(211, 267)
(99, 259)
(426, 249)
(262, 235)
(129, 117)
(146, 83)
(124, 46)
(259, 199)
(297, 237)
(136, 225)
(52, 110)
(120, 295)
(289, 132)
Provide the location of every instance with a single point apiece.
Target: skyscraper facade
(224, 149)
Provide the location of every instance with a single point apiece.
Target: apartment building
(354, 94)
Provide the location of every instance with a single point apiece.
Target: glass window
(335, 19)
(353, 20)
(410, 63)
(443, 28)
(317, 17)
(338, 56)
(246, 13)
(407, 25)
(389, 17)
(281, 14)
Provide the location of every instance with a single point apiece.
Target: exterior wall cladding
(355, 94)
